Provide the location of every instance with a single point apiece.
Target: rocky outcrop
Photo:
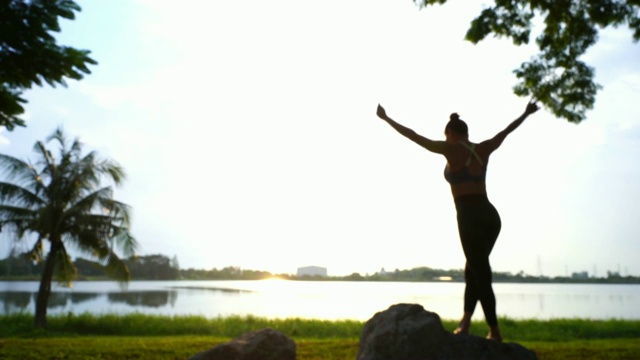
(265, 344)
(408, 331)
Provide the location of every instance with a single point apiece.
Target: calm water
(322, 300)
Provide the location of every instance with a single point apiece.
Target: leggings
(478, 225)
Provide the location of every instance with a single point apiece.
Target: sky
(249, 136)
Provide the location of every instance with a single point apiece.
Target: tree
(62, 202)
(17, 265)
(152, 267)
(88, 268)
(30, 55)
(556, 76)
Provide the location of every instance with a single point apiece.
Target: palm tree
(62, 202)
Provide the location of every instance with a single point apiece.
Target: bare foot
(465, 324)
(463, 328)
(494, 334)
(461, 331)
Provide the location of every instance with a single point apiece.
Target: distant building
(580, 275)
(312, 271)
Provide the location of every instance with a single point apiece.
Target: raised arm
(438, 147)
(497, 140)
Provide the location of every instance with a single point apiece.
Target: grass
(139, 336)
(21, 325)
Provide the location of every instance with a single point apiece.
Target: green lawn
(156, 337)
(183, 347)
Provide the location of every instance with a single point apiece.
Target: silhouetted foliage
(354, 277)
(227, 273)
(152, 299)
(19, 265)
(149, 267)
(152, 267)
(30, 55)
(89, 268)
(556, 76)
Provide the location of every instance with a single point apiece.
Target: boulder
(264, 344)
(408, 331)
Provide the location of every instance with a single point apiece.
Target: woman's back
(467, 167)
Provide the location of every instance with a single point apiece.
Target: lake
(330, 300)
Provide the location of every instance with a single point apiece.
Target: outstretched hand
(531, 108)
(382, 114)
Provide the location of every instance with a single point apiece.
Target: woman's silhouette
(478, 221)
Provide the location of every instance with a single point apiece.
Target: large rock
(408, 331)
(264, 344)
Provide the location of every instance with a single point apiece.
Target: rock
(264, 344)
(408, 331)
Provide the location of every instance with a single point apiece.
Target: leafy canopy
(30, 55)
(556, 76)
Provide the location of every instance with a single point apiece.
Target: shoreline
(455, 281)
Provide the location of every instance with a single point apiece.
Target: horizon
(588, 274)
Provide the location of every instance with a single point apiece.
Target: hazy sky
(249, 135)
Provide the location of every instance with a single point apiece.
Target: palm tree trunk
(44, 291)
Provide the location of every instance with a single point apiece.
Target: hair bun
(454, 117)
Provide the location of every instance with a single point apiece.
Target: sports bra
(463, 174)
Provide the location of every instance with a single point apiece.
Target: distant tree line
(227, 273)
(419, 274)
(153, 267)
(161, 267)
(20, 266)
(426, 274)
(148, 267)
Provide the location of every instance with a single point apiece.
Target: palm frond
(76, 148)
(90, 243)
(12, 165)
(16, 219)
(119, 211)
(93, 244)
(37, 251)
(89, 233)
(98, 225)
(88, 203)
(113, 170)
(89, 158)
(59, 136)
(65, 270)
(17, 195)
(20, 172)
(46, 159)
(8, 213)
(80, 178)
(114, 213)
(117, 269)
(123, 239)
(93, 232)
(88, 170)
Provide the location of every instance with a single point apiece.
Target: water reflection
(153, 299)
(15, 301)
(20, 301)
(57, 299)
(214, 289)
(321, 300)
(66, 299)
(77, 298)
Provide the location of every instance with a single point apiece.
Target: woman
(478, 221)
